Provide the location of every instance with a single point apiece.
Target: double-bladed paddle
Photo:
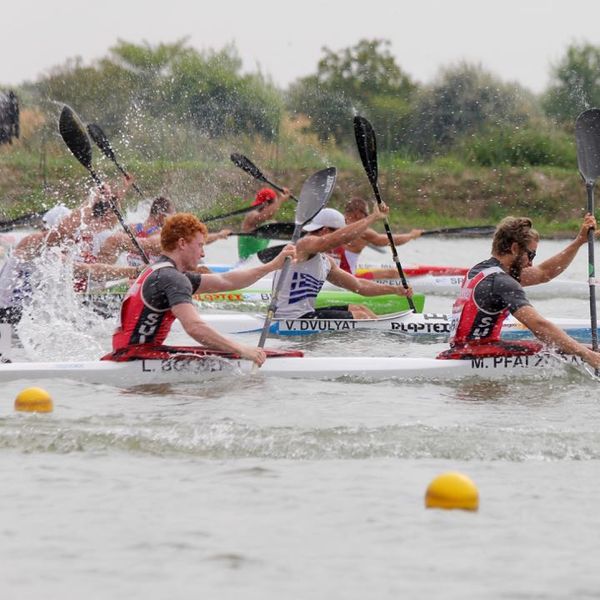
(279, 231)
(587, 137)
(314, 195)
(244, 163)
(271, 231)
(367, 148)
(73, 133)
(23, 220)
(102, 142)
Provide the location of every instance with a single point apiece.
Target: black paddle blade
(101, 140)
(315, 194)
(268, 254)
(587, 136)
(366, 143)
(73, 133)
(239, 160)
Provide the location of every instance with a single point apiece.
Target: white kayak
(449, 285)
(185, 369)
(429, 326)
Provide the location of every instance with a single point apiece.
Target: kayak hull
(185, 369)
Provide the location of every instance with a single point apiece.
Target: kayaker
(148, 234)
(267, 203)
(494, 288)
(22, 271)
(348, 254)
(163, 293)
(314, 266)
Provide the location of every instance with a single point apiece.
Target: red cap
(264, 195)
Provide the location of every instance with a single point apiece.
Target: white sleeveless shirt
(299, 292)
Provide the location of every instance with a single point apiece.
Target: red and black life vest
(140, 322)
(469, 323)
(475, 332)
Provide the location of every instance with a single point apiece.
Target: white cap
(55, 215)
(328, 217)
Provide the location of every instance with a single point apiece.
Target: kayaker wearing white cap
(314, 266)
(55, 215)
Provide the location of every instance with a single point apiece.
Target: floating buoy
(33, 399)
(452, 490)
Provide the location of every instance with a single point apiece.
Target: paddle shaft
(287, 264)
(99, 137)
(589, 186)
(117, 212)
(133, 184)
(278, 188)
(390, 238)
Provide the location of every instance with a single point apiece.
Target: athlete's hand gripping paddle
(314, 195)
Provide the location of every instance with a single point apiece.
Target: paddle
(73, 133)
(268, 254)
(367, 148)
(28, 219)
(240, 211)
(587, 137)
(247, 165)
(473, 230)
(313, 197)
(102, 142)
(271, 231)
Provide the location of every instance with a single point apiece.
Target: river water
(272, 489)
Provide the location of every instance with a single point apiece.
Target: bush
(520, 147)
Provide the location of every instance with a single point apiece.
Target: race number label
(192, 365)
(544, 360)
(319, 325)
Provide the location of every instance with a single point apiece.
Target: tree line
(153, 93)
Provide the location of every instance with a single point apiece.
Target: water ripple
(226, 439)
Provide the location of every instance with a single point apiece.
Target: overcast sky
(518, 40)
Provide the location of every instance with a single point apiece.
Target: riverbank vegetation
(466, 148)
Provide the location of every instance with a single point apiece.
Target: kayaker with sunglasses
(493, 289)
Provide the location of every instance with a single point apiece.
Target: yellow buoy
(33, 399)
(452, 490)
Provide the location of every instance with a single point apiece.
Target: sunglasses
(530, 254)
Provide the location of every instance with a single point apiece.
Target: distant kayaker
(348, 254)
(163, 293)
(267, 203)
(493, 289)
(148, 234)
(314, 266)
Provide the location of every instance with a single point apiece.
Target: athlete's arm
(204, 334)
(103, 272)
(312, 244)
(121, 242)
(223, 234)
(549, 333)
(267, 211)
(363, 286)
(381, 239)
(555, 265)
(241, 278)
